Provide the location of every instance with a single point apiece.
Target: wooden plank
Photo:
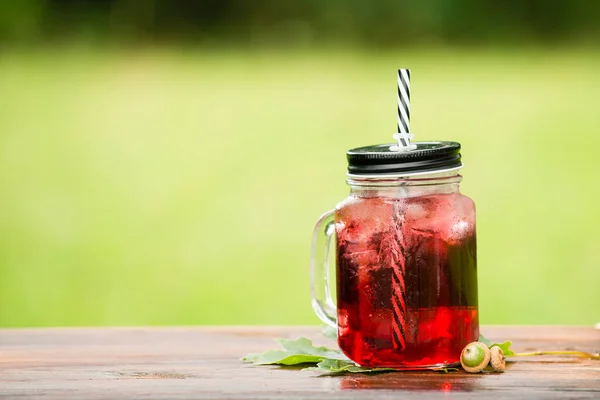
(203, 363)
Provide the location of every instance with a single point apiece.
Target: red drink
(434, 237)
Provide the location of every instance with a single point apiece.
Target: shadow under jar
(406, 263)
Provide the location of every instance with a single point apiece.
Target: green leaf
(280, 357)
(444, 370)
(340, 366)
(305, 346)
(484, 340)
(299, 351)
(505, 346)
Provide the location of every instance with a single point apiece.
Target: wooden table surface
(203, 363)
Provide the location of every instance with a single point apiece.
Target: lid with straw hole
(425, 157)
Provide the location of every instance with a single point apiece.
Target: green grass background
(180, 186)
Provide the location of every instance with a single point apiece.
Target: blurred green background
(164, 162)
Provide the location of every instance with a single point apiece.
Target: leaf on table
(484, 340)
(299, 351)
(305, 346)
(341, 366)
(505, 346)
(280, 357)
(444, 370)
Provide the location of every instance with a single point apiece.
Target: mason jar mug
(406, 262)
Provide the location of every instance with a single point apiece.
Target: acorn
(475, 357)
(497, 359)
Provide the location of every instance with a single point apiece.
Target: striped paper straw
(403, 136)
(399, 264)
(398, 287)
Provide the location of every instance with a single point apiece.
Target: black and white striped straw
(403, 136)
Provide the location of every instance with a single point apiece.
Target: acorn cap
(497, 359)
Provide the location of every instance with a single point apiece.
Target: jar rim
(449, 175)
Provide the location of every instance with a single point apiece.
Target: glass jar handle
(320, 253)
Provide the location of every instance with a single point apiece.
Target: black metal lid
(427, 157)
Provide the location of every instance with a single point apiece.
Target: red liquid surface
(434, 237)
